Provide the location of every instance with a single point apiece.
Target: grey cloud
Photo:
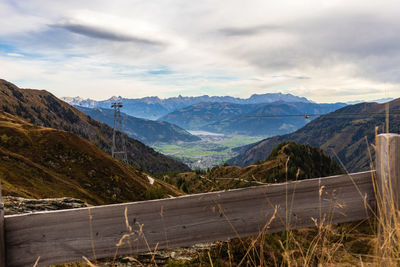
(292, 77)
(368, 41)
(350, 92)
(353, 34)
(245, 31)
(101, 33)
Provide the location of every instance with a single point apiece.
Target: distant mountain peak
(380, 101)
(115, 98)
(274, 97)
(76, 98)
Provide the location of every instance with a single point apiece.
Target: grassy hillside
(146, 131)
(39, 162)
(343, 132)
(288, 161)
(42, 108)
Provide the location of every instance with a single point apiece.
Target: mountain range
(146, 131)
(154, 107)
(344, 134)
(41, 108)
(266, 119)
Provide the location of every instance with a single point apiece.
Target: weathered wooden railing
(106, 231)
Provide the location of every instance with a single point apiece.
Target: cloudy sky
(327, 51)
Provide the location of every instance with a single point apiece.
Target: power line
(306, 115)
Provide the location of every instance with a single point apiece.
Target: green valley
(211, 150)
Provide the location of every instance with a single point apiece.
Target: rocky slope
(42, 108)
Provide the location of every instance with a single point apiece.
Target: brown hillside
(39, 107)
(291, 160)
(38, 162)
(288, 161)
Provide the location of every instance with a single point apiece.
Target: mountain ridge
(247, 119)
(41, 108)
(288, 161)
(147, 131)
(342, 134)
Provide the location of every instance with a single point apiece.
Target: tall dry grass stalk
(36, 262)
(388, 198)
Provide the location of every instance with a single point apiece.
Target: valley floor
(212, 150)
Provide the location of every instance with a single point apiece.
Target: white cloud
(14, 55)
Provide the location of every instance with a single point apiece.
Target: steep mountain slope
(146, 131)
(341, 132)
(42, 108)
(261, 121)
(154, 107)
(249, 119)
(288, 161)
(197, 116)
(39, 162)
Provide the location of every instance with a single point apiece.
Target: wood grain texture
(65, 236)
(388, 195)
(388, 169)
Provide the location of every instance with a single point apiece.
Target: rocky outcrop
(19, 205)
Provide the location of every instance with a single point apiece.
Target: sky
(327, 51)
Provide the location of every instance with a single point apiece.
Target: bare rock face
(19, 205)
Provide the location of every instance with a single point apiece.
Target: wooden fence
(106, 231)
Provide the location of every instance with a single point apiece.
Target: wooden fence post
(388, 196)
(2, 237)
